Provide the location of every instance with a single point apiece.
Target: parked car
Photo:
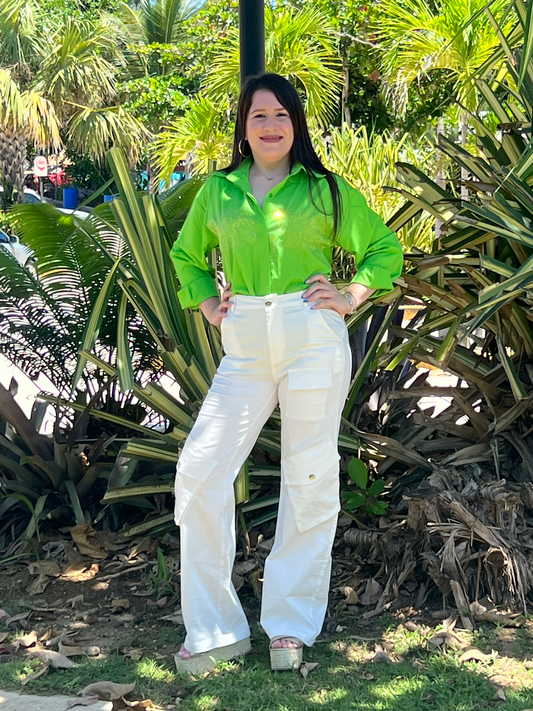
(32, 197)
(21, 253)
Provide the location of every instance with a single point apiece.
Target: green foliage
(155, 100)
(162, 577)
(364, 499)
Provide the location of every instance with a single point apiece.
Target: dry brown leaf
(447, 639)
(70, 651)
(3, 636)
(59, 661)
(107, 690)
(26, 640)
(246, 566)
(4, 615)
(84, 701)
(351, 597)
(306, 667)
(76, 602)
(372, 593)
(39, 585)
(5, 650)
(92, 651)
(86, 538)
(47, 567)
(81, 570)
(476, 655)
(176, 617)
(367, 677)
(35, 675)
(382, 657)
(120, 605)
(162, 602)
(500, 695)
(133, 653)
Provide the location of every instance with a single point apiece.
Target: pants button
(268, 303)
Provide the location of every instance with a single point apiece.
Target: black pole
(252, 37)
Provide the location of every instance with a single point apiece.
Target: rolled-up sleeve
(377, 251)
(188, 254)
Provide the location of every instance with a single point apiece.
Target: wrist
(350, 298)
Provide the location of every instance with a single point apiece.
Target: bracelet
(350, 299)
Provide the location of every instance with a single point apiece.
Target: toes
(184, 653)
(284, 643)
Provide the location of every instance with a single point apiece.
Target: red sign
(40, 166)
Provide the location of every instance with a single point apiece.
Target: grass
(345, 680)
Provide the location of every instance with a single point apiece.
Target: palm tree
(203, 133)
(457, 36)
(25, 116)
(300, 45)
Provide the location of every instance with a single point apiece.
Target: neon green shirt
(275, 249)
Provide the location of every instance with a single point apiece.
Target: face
(269, 129)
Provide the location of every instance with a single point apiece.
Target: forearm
(209, 305)
(360, 293)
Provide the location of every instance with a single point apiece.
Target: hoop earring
(240, 149)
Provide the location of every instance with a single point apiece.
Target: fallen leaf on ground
(81, 570)
(176, 617)
(367, 677)
(476, 655)
(3, 636)
(134, 653)
(35, 675)
(48, 567)
(76, 602)
(86, 538)
(70, 651)
(26, 640)
(16, 618)
(107, 690)
(39, 585)
(382, 657)
(307, 667)
(4, 615)
(92, 651)
(245, 566)
(372, 593)
(447, 639)
(162, 601)
(59, 661)
(84, 701)
(500, 695)
(4, 650)
(120, 704)
(351, 597)
(120, 605)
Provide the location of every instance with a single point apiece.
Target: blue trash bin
(70, 198)
(108, 198)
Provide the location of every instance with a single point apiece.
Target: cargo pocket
(312, 480)
(193, 468)
(307, 393)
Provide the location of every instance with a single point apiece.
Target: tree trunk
(12, 157)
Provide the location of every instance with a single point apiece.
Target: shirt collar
(240, 175)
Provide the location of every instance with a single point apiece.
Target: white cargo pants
(277, 349)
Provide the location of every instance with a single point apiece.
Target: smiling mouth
(271, 139)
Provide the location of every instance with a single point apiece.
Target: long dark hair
(302, 149)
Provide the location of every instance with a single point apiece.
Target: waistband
(245, 300)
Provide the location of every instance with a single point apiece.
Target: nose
(270, 123)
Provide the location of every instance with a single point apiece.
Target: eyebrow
(278, 108)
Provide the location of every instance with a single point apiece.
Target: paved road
(10, 701)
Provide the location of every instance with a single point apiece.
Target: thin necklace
(269, 177)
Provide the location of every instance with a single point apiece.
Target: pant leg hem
(205, 644)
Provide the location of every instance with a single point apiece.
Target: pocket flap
(194, 462)
(310, 379)
(310, 466)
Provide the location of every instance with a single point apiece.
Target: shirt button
(312, 476)
(268, 303)
(269, 194)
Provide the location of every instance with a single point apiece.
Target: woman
(275, 212)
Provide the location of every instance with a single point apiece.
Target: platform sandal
(286, 658)
(206, 661)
